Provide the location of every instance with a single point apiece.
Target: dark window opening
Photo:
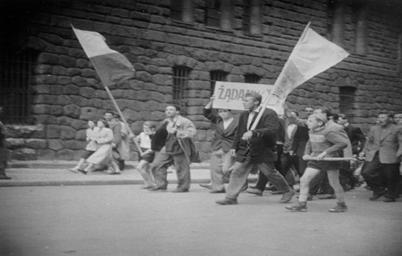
(252, 78)
(16, 71)
(213, 13)
(347, 100)
(217, 75)
(180, 86)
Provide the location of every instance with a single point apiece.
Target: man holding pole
(255, 148)
(177, 150)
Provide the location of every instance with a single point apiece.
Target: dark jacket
(223, 138)
(300, 140)
(356, 136)
(260, 147)
(158, 140)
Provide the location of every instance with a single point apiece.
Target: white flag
(312, 55)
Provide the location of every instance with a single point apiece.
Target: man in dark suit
(254, 148)
(355, 134)
(383, 150)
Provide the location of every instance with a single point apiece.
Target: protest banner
(229, 95)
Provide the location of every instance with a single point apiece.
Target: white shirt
(226, 123)
(145, 140)
(290, 130)
(251, 116)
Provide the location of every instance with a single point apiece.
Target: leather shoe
(326, 196)
(217, 191)
(207, 186)
(254, 191)
(227, 201)
(180, 190)
(389, 200)
(287, 196)
(377, 195)
(157, 189)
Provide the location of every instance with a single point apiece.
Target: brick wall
(67, 91)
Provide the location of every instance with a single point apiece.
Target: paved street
(125, 220)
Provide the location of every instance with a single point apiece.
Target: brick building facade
(179, 48)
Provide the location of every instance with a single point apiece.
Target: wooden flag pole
(307, 158)
(267, 100)
(122, 118)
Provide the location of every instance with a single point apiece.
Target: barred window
(217, 75)
(16, 71)
(180, 86)
(347, 100)
(252, 78)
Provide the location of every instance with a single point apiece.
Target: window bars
(15, 85)
(180, 86)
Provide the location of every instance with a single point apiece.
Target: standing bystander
(3, 149)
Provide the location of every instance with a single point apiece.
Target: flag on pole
(312, 55)
(111, 66)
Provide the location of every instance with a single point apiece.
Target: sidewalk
(56, 173)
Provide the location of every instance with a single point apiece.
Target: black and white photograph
(201, 127)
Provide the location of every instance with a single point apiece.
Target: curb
(83, 183)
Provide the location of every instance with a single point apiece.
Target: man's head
(172, 111)
(252, 100)
(316, 120)
(384, 119)
(108, 116)
(342, 119)
(325, 111)
(292, 116)
(149, 127)
(225, 114)
(398, 118)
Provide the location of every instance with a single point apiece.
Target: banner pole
(267, 100)
(122, 117)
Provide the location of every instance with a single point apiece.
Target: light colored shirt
(92, 134)
(251, 116)
(226, 123)
(145, 140)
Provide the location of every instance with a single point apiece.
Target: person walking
(3, 149)
(179, 149)
(255, 148)
(383, 150)
(221, 156)
(324, 141)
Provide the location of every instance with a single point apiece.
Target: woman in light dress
(103, 154)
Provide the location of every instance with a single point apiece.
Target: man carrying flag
(255, 149)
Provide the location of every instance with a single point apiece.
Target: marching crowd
(317, 152)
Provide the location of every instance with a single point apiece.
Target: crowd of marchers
(314, 154)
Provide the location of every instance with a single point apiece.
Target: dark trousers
(378, 175)
(283, 165)
(159, 169)
(241, 170)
